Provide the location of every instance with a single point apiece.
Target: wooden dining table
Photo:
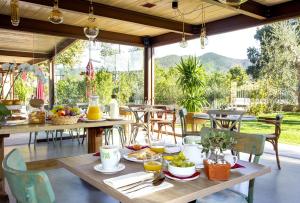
(181, 192)
(94, 134)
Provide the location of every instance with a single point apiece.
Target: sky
(231, 44)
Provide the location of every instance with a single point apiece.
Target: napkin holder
(218, 172)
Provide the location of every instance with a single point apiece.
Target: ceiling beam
(36, 61)
(62, 46)
(70, 31)
(249, 8)
(213, 28)
(107, 11)
(24, 54)
(278, 12)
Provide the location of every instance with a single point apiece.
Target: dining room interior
(149, 101)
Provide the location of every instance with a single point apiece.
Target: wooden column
(51, 84)
(94, 139)
(148, 71)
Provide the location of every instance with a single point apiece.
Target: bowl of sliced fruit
(179, 166)
(65, 115)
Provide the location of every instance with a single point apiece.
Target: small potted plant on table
(214, 144)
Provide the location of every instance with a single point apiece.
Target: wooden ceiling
(128, 22)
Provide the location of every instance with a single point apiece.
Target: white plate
(183, 179)
(99, 168)
(15, 122)
(87, 120)
(171, 149)
(125, 156)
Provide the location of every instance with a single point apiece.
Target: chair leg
(277, 155)
(35, 140)
(84, 135)
(29, 142)
(47, 136)
(173, 128)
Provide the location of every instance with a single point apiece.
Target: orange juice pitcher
(94, 111)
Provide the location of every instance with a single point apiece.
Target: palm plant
(192, 82)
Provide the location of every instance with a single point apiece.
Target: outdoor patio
(92, 111)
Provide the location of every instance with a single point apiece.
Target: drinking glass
(153, 164)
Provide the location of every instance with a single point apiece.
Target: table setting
(161, 165)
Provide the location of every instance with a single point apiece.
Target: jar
(36, 115)
(114, 107)
(94, 111)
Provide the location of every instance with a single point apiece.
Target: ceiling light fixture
(56, 16)
(91, 31)
(14, 12)
(233, 2)
(203, 34)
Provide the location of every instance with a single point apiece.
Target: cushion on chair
(224, 196)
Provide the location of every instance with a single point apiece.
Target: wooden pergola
(127, 22)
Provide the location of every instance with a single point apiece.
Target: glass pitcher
(94, 111)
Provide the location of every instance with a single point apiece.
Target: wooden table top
(23, 128)
(82, 166)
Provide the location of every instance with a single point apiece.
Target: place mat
(96, 154)
(128, 179)
(237, 166)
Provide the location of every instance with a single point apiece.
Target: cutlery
(155, 182)
(136, 183)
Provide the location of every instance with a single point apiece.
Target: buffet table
(94, 133)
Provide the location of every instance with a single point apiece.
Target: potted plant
(214, 144)
(191, 80)
(4, 112)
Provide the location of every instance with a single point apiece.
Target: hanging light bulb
(203, 35)
(56, 16)
(15, 12)
(203, 38)
(233, 2)
(183, 43)
(91, 31)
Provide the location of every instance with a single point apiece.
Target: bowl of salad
(179, 166)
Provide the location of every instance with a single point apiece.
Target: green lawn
(290, 128)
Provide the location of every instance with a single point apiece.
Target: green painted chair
(26, 186)
(246, 143)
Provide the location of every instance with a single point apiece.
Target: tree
(70, 91)
(69, 57)
(104, 85)
(254, 69)
(238, 74)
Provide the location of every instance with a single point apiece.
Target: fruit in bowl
(65, 111)
(179, 166)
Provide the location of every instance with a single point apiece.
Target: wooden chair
(226, 119)
(246, 143)
(26, 186)
(273, 137)
(184, 131)
(170, 123)
(158, 116)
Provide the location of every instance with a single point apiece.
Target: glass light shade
(233, 2)
(14, 12)
(203, 38)
(91, 31)
(56, 16)
(183, 43)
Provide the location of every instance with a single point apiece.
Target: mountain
(211, 61)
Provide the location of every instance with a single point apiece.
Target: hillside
(211, 61)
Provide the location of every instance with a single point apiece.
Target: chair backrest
(277, 121)
(226, 119)
(26, 186)
(182, 115)
(246, 143)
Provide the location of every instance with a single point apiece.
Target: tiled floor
(277, 187)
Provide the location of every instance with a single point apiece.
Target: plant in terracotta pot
(214, 144)
(191, 81)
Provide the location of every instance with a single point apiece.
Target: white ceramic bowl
(182, 172)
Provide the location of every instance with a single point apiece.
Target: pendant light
(91, 31)
(233, 2)
(183, 43)
(56, 16)
(15, 12)
(203, 35)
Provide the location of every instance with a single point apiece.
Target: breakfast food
(65, 111)
(142, 154)
(37, 117)
(181, 161)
